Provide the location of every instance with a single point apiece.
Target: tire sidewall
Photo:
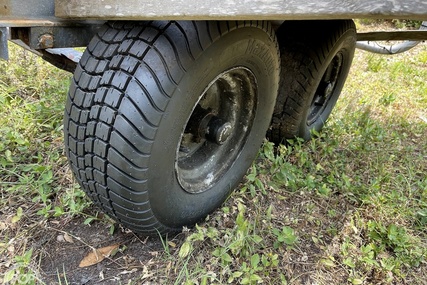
(247, 47)
(345, 45)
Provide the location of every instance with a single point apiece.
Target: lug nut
(46, 41)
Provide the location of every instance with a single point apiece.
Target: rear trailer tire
(164, 118)
(315, 60)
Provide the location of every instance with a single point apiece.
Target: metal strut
(375, 47)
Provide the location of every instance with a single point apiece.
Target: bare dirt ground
(61, 258)
(61, 244)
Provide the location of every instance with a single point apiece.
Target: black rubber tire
(310, 52)
(129, 103)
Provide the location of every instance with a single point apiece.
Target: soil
(60, 258)
(60, 245)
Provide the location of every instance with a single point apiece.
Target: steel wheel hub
(217, 130)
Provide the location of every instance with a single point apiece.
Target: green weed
(22, 271)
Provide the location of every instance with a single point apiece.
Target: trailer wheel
(164, 118)
(315, 59)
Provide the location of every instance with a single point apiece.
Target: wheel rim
(326, 89)
(217, 130)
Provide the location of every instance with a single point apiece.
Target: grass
(35, 182)
(349, 207)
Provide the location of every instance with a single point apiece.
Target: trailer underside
(46, 24)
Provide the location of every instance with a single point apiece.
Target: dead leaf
(68, 238)
(98, 255)
(2, 226)
(11, 249)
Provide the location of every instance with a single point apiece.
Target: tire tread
(304, 46)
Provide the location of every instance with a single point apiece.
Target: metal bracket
(55, 36)
(63, 58)
(4, 51)
(419, 35)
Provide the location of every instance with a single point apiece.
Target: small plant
(395, 239)
(285, 236)
(254, 183)
(22, 272)
(375, 63)
(401, 24)
(250, 270)
(422, 217)
(388, 99)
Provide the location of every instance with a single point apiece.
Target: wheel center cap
(218, 130)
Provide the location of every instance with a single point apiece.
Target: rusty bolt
(46, 41)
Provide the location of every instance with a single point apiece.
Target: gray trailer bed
(240, 9)
(47, 12)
